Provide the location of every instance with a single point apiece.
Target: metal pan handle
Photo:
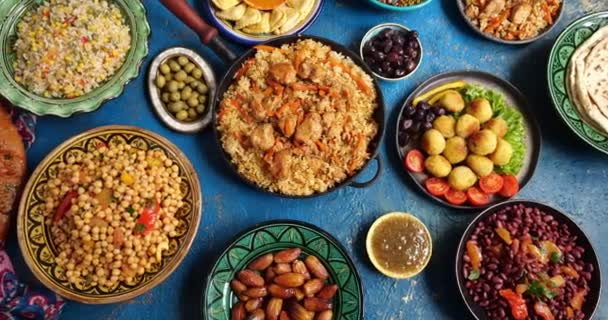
(208, 34)
(355, 184)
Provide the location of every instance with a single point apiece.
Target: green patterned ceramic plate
(34, 236)
(11, 12)
(278, 235)
(565, 45)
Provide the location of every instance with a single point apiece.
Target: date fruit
(273, 309)
(317, 305)
(290, 280)
(280, 292)
(250, 278)
(262, 262)
(287, 255)
(238, 312)
(316, 267)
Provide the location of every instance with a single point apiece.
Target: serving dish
(35, 238)
(513, 98)
(565, 45)
(557, 18)
(251, 39)
(399, 8)
(11, 13)
(374, 31)
(593, 296)
(161, 110)
(272, 236)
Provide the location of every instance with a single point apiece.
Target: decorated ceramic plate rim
(555, 68)
(400, 8)
(170, 262)
(563, 218)
(224, 296)
(250, 39)
(513, 97)
(461, 9)
(136, 18)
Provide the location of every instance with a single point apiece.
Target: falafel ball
(466, 125)
(446, 125)
(433, 142)
(438, 166)
(455, 150)
(462, 178)
(481, 109)
(498, 125)
(452, 100)
(481, 165)
(503, 153)
(482, 142)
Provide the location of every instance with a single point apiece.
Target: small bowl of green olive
(181, 86)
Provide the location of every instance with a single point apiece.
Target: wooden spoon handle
(207, 33)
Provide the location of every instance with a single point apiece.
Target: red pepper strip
(517, 303)
(543, 310)
(84, 39)
(65, 205)
(147, 218)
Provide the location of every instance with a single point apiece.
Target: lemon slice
(399, 245)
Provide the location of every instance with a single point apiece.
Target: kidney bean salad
(520, 263)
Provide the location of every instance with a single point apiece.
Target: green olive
(197, 73)
(165, 97)
(173, 86)
(186, 93)
(202, 98)
(192, 101)
(175, 96)
(175, 67)
(182, 115)
(160, 81)
(189, 67)
(202, 88)
(168, 77)
(189, 80)
(182, 60)
(192, 113)
(200, 108)
(177, 106)
(181, 75)
(194, 84)
(164, 68)
(181, 85)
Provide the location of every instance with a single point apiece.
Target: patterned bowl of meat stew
(525, 260)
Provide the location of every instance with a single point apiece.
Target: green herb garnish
(130, 210)
(539, 290)
(555, 257)
(474, 275)
(139, 228)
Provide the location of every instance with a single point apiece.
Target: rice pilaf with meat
(512, 19)
(298, 119)
(67, 48)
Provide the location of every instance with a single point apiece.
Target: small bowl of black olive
(392, 51)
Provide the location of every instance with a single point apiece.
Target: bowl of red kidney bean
(392, 51)
(525, 260)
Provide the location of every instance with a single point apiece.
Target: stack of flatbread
(263, 16)
(587, 80)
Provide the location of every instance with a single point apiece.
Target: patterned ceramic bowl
(273, 236)
(250, 39)
(11, 12)
(573, 36)
(391, 7)
(34, 236)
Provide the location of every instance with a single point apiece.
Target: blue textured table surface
(570, 174)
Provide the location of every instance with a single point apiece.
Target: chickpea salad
(111, 213)
(467, 140)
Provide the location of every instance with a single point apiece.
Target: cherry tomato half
(414, 161)
(477, 197)
(455, 196)
(491, 183)
(437, 186)
(510, 186)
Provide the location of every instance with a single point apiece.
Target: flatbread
(579, 81)
(596, 75)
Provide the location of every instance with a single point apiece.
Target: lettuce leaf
(515, 121)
